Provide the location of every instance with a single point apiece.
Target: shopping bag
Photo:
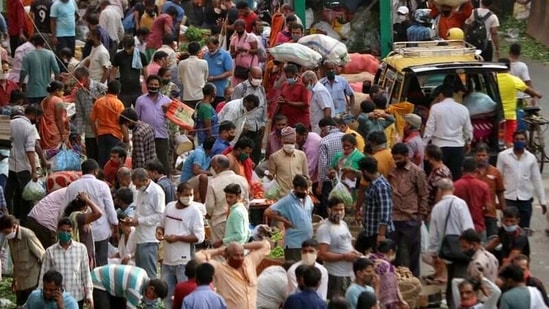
(34, 191)
(181, 114)
(424, 238)
(342, 192)
(271, 189)
(66, 160)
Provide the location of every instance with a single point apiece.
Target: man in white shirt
(98, 62)
(107, 225)
(111, 20)
(491, 23)
(216, 203)
(237, 111)
(322, 105)
(522, 178)
(309, 251)
(181, 228)
(518, 68)
(450, 216)
(149, 211)
(449, 127)
(193, 74)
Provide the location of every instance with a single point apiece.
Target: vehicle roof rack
(433, 48)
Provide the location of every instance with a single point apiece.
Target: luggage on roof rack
(433, 48)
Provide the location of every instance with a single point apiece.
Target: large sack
(452, 3)
(361, 63)
(58, 180)
(296, 53)
(479, 103)
(358, 78)
(329, 48)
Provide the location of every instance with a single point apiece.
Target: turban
(288, 135)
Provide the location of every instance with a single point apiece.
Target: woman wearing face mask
(468, 293)
(167, 87)
(345, 162)
(54, 126)
(27, 253)
(243, 48)
(77, 212)
(206, 122)
(294, 98)
(389, 292)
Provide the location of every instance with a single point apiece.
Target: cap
(413, 119)
(403, 10)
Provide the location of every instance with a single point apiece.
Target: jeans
(102, 299)
(16, 204)
(162, 152)
(172, 275)
(145, 257)
(92, 149)
(65, 41)
(322, 209)
(45, 236)
(22, 296)
(455, 270)
(525, 210)
(407, 237)
(129, 98)
(104, 144)
(101, 252)
(453, 159)
(488, 52)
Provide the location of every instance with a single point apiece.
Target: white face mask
(186, 200)
(401, 17)
(217, 10)
(223, 7)
(11, 235)
(289, 148)
(308, 258)
(256, 82)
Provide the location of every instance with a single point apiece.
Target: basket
(410, 286)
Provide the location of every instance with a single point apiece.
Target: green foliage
(193, 34)
(5, 290)
(531, 48)
(277, 253)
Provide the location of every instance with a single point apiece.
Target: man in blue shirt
(419, 31)
(196, 168)
(63, 16)
(220, 68)
(364, 275)
(339, 88)
(307, 298)
(294, 210)
(203, 297)
(52, 295)
(227, 133)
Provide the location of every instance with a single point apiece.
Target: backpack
(477, 34)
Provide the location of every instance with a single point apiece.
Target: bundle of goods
(452, 3)
(410, 286)
(296, 53)
(329, 48)
(58, 180)
(361, 63)
(479, 104)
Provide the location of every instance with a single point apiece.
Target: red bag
(181, 114)
(361, 63)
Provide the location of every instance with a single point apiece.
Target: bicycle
(537, 126)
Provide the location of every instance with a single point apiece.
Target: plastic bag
(272, 189)
(340, 191)
(479, 103)
(6, 261)
(34, 191)
(329, 48)
(66, 160)
(296, 53)
(424, 238)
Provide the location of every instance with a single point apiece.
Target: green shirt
(38, 65)
(515, 298)
(351, 161)
(237, 228)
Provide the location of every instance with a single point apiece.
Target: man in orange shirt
(104, 121)
(449, 17)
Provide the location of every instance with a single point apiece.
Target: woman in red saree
(54, 125)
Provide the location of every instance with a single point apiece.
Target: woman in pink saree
(243, 48)
(54, 125)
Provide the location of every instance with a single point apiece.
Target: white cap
(403, 10)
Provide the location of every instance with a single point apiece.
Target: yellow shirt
(509, 86)
(360, 144)
(385, 163)
(285, 166)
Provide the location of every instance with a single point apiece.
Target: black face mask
(300, 195)
(446, 13)
(240, 32)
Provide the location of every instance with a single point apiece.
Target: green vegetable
(193, 34)
(277, 253)
(276, 236)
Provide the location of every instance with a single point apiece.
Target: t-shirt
(520, 70)
(38, 65)
(219, 63)
(489, 23)
(339, 239)
(99, 60)
(298, 212)
(249, 20)
(515, 298)
(513, 241)
(509, 86)
(65, 14)
(41, 10)
(354, 291)
(129, 77)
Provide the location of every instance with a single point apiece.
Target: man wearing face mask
(342, 95)
(70, 258)
(157, 172)
(482, 262)
(216, 203)
(130, 63)
(220, 68)
(179, 237)
(227, 131)
(257, 119)
(491, 176)
(513, 239)
(522, 179)
(27, 254)
(294, 211)
(275, 137)
(321, 104)
(287, 162)
(51, 294)
(294, 98)
(6, 86)
(449, 17)
(309, 252)
(237, 111)
(336, 248)
(401, 26)
(236, 279)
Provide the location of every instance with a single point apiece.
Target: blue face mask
(510, 229)
(310, 86)
(519, 145)
(291, 81)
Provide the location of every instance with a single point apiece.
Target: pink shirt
(154, 40)
(274, 143)
(311, 147)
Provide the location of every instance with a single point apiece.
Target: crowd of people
(125, 231)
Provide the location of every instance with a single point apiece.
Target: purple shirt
(151, 112)
(274, 143)
(311, 147)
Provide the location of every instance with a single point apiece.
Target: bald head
(235, 255)
(309, 77)
(220, 163)
(446, 185)
(234, 247)
(123, 175)
(255, 76)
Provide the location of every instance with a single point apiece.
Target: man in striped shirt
(125, 286)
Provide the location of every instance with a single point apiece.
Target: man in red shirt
(490, 175)
(449, 17)
(162, 27)
(475, 193)
(294, 100)
(246, 14)
(184, 288)
(6, 86)
(17, 27)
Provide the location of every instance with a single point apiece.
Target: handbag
(450, 248)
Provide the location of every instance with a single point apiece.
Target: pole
(386, 26)
(299, 9)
